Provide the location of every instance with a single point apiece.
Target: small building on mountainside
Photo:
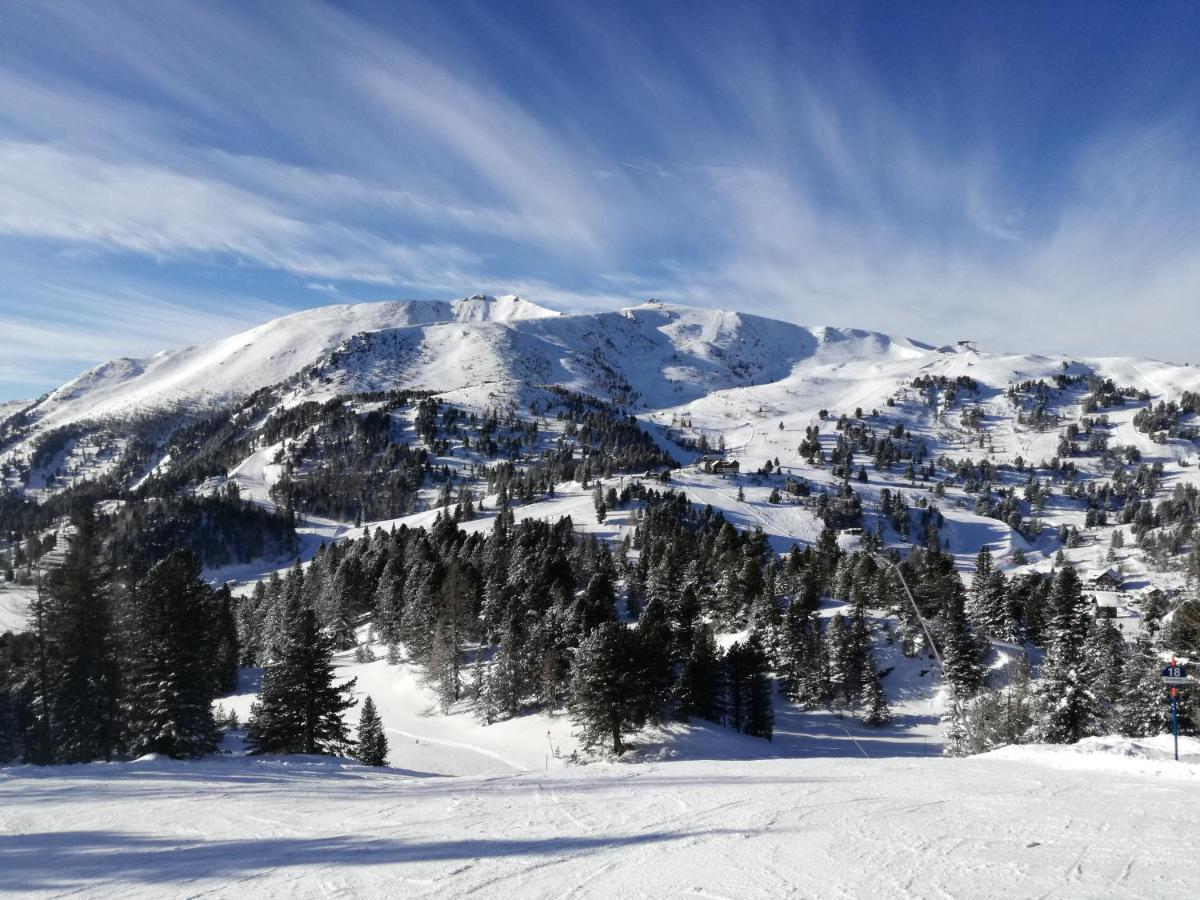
(1108, 580)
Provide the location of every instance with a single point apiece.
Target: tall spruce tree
(749, 689)
(170, 679)
(299, 709)
(1069, 707)
(227, 651)
(1104, 658)
(371, 748)
(701, 682)
(75, 615)
(1145, 708)
(876, 711)
(984, 567)
(962, 663)
(608, 693)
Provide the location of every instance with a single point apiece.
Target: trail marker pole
(1175, 719)
(1173, 676)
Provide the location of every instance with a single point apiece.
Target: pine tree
(701, 681)
(608, 696)
(962, 664)
(766, 621)
(170, 679)
(1104, 660)
(419, 616)
(227, 653)
(655, 657)
(80, 662)
(749, 690)
(838, 660)
(502, 691)
(445, 665)
(991, 608)
(984, 567)
(596, 605)
(1069, 708)
(299, 709)
(1145, 706)
(808, 663)
(389, 601)
(876, 711)
(344, 603)
(371, 749)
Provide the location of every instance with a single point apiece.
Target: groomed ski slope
(1038, 822)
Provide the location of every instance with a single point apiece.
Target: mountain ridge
(709, 349)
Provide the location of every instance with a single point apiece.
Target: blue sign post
(1173, 676)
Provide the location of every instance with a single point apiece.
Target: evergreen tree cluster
(107, 669)
(1091, 682)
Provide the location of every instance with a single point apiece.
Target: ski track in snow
(992, 826)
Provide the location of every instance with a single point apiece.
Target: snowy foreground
(1108, 818)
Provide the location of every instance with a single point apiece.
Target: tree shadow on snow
(88, 859)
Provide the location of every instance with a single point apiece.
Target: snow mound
(1149, 756)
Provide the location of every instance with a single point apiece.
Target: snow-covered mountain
(647, 357)
(717, 371)
(239, 365)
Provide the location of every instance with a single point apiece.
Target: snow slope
(306, 827)
(14, 606)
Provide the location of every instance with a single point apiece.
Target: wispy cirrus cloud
(784, 160)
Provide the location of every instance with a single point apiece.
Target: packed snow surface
(687, 827)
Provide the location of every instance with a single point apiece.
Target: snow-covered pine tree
(962, 664)
(596, 604)
(1068, 706)
(838, 660)
(808, 663)
(766, 621)
(1145, 707)
(984, 566)
(170, 630)
(1104, 657)
(994, 610)
(299, 709)
(445, 664)
(502, 688)
(344, 603)
(389, 601)
(371, 748)
(419, 616)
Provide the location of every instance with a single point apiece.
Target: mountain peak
(504, 308)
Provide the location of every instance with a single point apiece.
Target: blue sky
(1024, 174)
